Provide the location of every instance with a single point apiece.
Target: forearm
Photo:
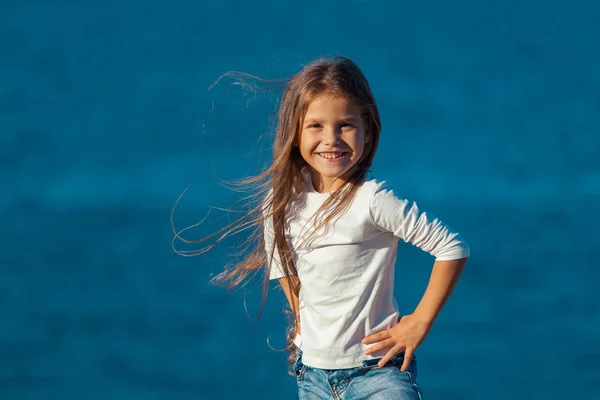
(444, 276)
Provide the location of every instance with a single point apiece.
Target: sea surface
(490, 115)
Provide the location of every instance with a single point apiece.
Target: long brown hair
(273, 189)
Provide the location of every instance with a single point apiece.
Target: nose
(331, 135)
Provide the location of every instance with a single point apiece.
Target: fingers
(393, 351)
(381, 345)
(408, 354)
(377, 337)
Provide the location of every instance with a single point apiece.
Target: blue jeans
(369, 381)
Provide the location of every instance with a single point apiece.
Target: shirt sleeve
(405, 220)
(273, 259)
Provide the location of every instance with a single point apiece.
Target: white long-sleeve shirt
(347, 272)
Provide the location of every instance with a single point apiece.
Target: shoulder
(375, 188)
(266, 207)
(383, 198)
(375, 195)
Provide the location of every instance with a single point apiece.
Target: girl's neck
(326, 185)
(322, 184)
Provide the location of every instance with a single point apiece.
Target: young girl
(328, 233)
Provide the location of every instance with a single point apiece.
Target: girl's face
(332, 139)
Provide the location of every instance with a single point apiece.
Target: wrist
(424, 318)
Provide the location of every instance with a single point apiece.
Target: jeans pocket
(299, 368)
(398, 360)
(411, 373)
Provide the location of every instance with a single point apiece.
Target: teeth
(331, 155)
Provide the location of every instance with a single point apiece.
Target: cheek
(360, 148)
(360, 144)
(307, 147)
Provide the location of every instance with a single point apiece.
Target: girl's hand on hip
(406, 335)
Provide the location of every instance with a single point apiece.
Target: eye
(347, 125)
(314, 126)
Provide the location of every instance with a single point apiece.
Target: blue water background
(490, 120)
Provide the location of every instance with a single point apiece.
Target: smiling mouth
(332, 156)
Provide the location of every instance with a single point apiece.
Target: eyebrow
(347, 118)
